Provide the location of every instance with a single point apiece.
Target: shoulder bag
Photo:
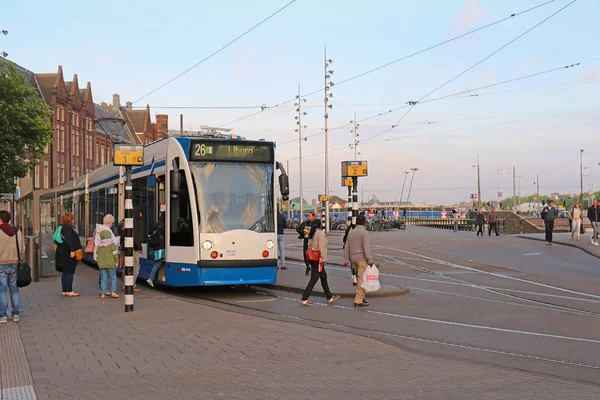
(312, 254)
(23, 269)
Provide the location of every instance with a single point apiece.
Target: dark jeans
(479, 229)
(549, 229)
(494, 226)
(314, 277)
(67, 281)
(304, 249)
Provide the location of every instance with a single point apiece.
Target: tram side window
(140, 202)
(182, 233)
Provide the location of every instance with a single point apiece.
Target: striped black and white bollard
(128, 241)
(354, 200)
(349, 205)
(323, 215)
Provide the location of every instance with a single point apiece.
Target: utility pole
(537, 181)
(498, 183)
(402, 193)
(128, 241)
(289, 211)
(355, 131)
(328, 84)
(478, 185)
(411, 182)
(581, 177)
(514, 189)
(181, 124)
(298, 118)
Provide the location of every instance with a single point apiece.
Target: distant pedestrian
(549, 214)
(358, 252)
(281, 223)
(493, 222)
(318, 242)
(67, 243)
(456, 216)
(106, 254)
(594, 217)
(303, 231)
(9, 258)
(576, 222)
(480, 220)
(156, 241)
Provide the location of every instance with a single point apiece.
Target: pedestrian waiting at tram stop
(106, 255)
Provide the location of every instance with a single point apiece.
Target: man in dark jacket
(594, 217)
(303, 230)
(549, 214)
(281, 222)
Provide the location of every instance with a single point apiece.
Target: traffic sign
(346, 182)
(127, 155)
(499, 194)
(354, 168)
(323, 198)
(473, 196)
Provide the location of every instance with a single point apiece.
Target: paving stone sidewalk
(86, 348)
(565, 239)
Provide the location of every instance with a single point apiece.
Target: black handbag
(23, 269)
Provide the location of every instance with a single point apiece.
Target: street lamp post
(519, 192)
(411, 182)
(498, 183)
(328, 84)
(478, 184)
(581, 176)
(299, 130)
(402, 193)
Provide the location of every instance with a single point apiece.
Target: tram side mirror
(175, 183)
(284, 186)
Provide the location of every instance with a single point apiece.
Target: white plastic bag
(371, 279)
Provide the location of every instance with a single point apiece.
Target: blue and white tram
(219, 201)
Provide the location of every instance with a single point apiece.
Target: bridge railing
(465, 225)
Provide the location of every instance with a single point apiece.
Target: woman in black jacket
(480, 220)
(67, 242)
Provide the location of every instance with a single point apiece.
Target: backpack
(156, 238)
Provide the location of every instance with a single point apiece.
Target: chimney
(116, 101)
(129, 105)
(162, 122)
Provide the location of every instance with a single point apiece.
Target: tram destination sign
(126, 155)
(235, 151)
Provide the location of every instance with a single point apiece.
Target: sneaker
(3, 320)
(16, 318)
(595, 243)
(354, 281)
(592, 240)
(149, 282)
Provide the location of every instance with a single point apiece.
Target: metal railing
(465, 225)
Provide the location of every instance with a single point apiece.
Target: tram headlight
(207, 245)
(270, 244)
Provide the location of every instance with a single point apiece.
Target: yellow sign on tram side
(127, 155)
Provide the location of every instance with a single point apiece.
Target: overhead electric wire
(449, 96)
(203, 107)
(413, 103)
(400, 59)
(217, 51)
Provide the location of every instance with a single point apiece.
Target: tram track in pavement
(384, 336)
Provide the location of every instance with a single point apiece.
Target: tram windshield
(234, 196)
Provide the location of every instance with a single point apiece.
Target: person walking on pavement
(456, 216)
(493, 222)
(576, 223)
(358, 252)
(303, 231)
(106, 254)
(281, 222)
(9, 258)
(138, 239)
(67, 243)
(318, 242)
(480, 220)
(549, 214)
(594, 217)
(348, 230)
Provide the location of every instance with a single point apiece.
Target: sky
(537, 125)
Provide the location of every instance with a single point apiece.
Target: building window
(77, 172)
(102, 156)
(62, 139)
(62, 114)
(57, 114)
(36, 174)
(46, 175)
(73, 173)
(62, 173)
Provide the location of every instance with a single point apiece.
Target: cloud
(532, 61)
(590, 76)
(470, 13)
